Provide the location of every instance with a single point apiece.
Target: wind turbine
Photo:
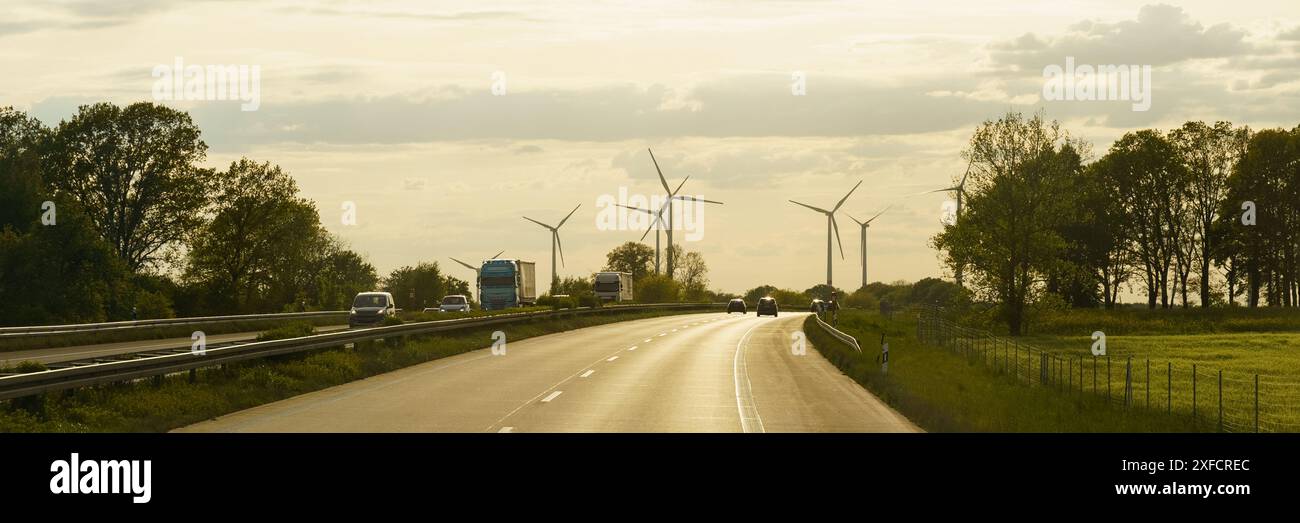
(960, 189)
(657, 220)
(864, 226)
(831, 225)
(668, 205)
(555, 243)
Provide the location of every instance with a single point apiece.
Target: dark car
(371, 308)
(736, 305)
(766, 306)
(817, 305)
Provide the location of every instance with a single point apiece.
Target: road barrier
(46, 330)
(1225, 401)
(837, 334)
(148, 365)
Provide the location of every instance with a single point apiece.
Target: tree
(260, 231)
(823, 291)
(134, 171)
(657, 288)
(418, 286)
(1147, 178)
(1008, 238)
(752, 295)
(59, 272)
(1208, 154)
(693, 274)
(631, 257)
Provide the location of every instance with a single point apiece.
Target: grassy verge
(944, 392)
(149, 406)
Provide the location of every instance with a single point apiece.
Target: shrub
(296, 329)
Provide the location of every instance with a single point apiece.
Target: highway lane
(81, 352)
(688, 373)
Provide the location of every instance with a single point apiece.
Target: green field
(943, 391)
(1173, 360)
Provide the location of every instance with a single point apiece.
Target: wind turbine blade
(962, 186)
(846, 197)
(494, 256)
(647, 232)
(566, 218)
(882, 211)
(946, 189)
(818, 209)
(694, 199)
(647, 211)
(836, 226)
(679, 186)
(559, 244)
(467, 266)
(538, 223)
(661, 173)
(855, 220)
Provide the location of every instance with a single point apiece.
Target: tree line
(1204, 214)
(110, 215)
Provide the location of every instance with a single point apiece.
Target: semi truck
(503, 284)
(613, 286)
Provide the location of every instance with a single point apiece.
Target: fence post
(1070, 370)
(1257, 403)
(1220, 400)
(1193, 392)
(1128, 383)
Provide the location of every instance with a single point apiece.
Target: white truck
(613, 286)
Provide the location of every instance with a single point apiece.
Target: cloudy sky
(391, 105)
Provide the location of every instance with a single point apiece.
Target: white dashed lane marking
(588, 373)
(552, 396)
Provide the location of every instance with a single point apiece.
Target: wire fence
(1224, 401)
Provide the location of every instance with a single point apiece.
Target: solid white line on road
(750, 421)
(552, 396)
(505, 430)
(585, 374)
(611, 358)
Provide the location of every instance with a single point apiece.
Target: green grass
(942, 391)
(1129, 320)
(149, 406)
(1274, 356)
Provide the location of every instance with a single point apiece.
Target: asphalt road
(689, 373)
(81, 352)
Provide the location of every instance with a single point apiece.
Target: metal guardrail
(43, 330)
(117, 371)
(838, 334)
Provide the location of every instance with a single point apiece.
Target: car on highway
(370, 309)
(766, 305)
(736, 305)
(454, 303)
(817, 305)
